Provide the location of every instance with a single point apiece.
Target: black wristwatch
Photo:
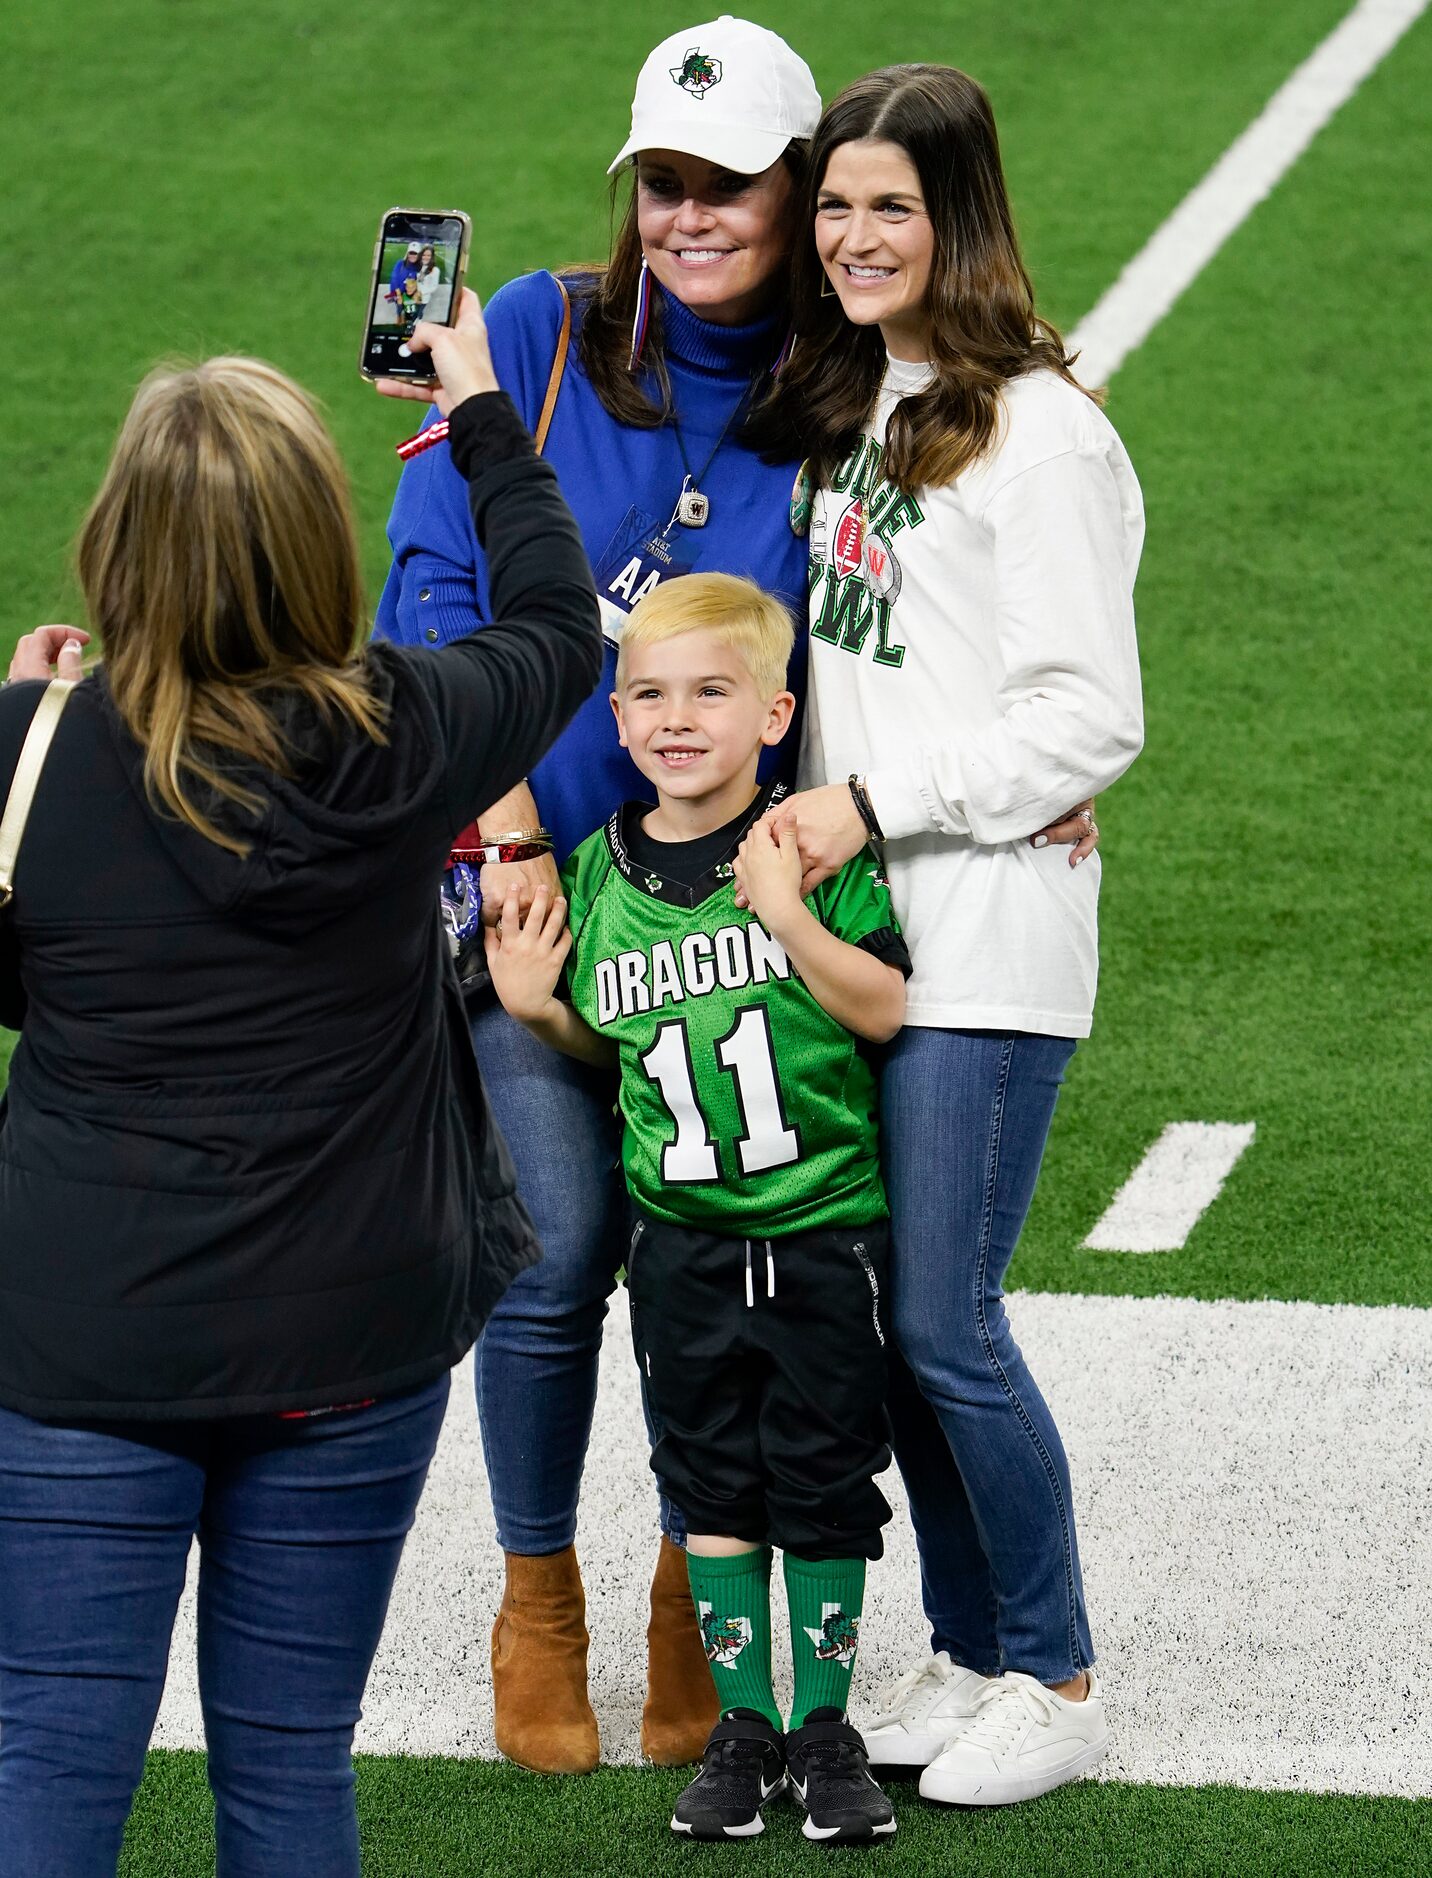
(861, 798)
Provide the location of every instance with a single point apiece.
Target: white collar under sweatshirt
(973, 656)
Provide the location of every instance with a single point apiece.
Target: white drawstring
(770, 1271)
(750, 1288)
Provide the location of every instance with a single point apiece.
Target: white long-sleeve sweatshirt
(973, 656)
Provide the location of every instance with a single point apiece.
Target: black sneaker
(831, 1778)
(744, 1766)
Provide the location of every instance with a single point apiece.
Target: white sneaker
(1024, 1739)
(920, 1712)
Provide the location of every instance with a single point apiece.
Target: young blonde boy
(758, 1251)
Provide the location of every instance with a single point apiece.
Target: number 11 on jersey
(745, 1053)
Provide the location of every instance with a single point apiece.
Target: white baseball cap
(729, 91)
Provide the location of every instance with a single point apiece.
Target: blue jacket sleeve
(437, 587)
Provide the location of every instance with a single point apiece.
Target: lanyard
(693, 509)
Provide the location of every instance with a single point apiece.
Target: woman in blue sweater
(672, 345)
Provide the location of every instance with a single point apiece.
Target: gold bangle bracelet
(514, 834)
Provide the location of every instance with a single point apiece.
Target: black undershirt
(693, 864)
(691, 861)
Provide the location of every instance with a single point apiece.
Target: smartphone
(419, 260)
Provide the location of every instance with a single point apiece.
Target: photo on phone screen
(421, 257)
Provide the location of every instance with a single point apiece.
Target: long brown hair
(220, 568)
(984, 329)
(607, 292)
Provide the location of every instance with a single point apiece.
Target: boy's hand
(525, 956)
(768, 870)
(829, 828)
(497, 878)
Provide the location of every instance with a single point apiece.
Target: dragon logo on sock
(724, 1637)
(837, 1638)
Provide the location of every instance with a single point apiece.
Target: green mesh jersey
(748, 1109)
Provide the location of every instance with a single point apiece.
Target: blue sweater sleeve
(436, 590)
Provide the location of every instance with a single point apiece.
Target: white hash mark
(1175, 1183)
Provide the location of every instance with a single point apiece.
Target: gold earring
(827, 292)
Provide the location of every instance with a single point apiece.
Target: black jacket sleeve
(506, 693)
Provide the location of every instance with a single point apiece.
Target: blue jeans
(300, 1525)
(537, 1359)
(964, 1118)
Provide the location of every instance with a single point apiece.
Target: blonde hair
(220, 568)
(741, 614)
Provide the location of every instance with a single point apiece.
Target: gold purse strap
(33, 752)
(559, 366)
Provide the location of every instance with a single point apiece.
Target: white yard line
(1175, 1183)
(1248, 170)
(1251, 1483)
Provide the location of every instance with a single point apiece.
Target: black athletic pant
(765, 1374)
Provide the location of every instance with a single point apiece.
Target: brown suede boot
(539, 1667)
(681, 1706)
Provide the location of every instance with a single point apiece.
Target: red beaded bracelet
(501, 852)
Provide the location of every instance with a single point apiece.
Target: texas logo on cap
(697, 72)
(755, 96)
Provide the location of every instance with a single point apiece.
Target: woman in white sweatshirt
(431, 298)
(975, 528)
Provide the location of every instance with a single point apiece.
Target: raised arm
(436, 590)
(505, 693)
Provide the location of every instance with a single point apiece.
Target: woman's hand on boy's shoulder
(768, 870)
(828, 832)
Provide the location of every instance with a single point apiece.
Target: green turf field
(464, 1819)
(1264, 952)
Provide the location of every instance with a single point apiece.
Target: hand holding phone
(419, 261)
(459, 354)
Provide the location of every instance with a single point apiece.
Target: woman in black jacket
(252, 1207)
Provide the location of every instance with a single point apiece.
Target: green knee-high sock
(825, 1596)
(733, 1606)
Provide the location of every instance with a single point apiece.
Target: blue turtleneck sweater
(622, 485)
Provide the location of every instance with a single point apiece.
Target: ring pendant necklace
(693, 509)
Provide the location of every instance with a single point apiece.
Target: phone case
(459, 279)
